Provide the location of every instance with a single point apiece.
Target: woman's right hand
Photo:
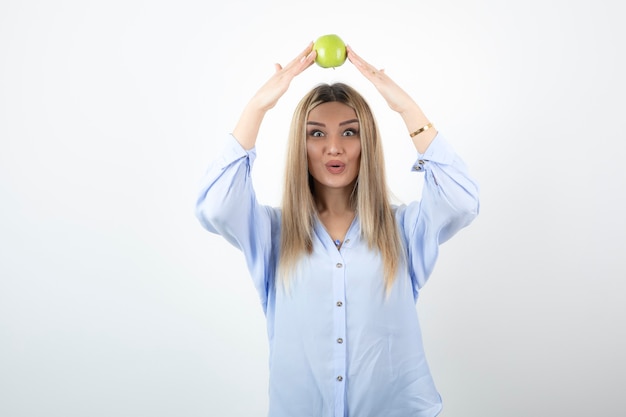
(269, 94)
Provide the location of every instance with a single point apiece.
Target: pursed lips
(335, 167)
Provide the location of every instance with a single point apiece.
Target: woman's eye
(316, 133)
(350, 132)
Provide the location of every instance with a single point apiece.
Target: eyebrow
(347, 122)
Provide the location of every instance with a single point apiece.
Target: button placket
(339, 329)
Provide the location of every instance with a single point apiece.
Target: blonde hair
(370, 197)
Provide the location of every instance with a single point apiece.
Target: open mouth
(335, 167)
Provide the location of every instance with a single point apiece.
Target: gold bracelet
(422, 129)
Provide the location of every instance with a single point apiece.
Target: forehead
(332, 110)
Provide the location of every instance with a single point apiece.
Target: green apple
(331, 51)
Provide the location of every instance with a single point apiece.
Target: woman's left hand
(398, 100)
(396, 97)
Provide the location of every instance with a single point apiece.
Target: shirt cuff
(233, 151)
(439, 151)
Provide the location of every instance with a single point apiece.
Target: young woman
(337, 267)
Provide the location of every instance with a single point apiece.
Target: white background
(115, 302)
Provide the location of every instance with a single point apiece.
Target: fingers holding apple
(368, 70)
(301, 62)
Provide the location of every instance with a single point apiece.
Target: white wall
(115, 302)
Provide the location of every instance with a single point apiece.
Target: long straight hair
(370, 197)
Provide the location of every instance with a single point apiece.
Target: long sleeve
(449, 203)
(227, 206)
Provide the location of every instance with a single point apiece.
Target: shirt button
(419, 166)
(339, 378)
(339, 265)
(340, 340)
(347, 241)
(339, 303)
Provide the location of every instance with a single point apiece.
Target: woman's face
(333, 145)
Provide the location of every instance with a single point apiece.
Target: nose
(334, 145)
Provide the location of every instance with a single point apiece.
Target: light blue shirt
(338, 347)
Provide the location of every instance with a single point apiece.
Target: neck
(333, 201)
(335, 212)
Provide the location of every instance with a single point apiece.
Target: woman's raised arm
(421, 130)
(267, 96)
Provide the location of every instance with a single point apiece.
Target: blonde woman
(338, 268)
